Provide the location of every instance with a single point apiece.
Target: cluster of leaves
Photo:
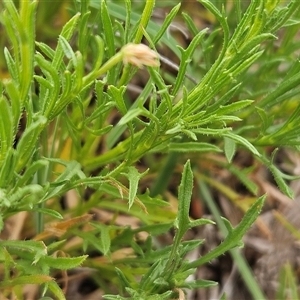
(67, 97)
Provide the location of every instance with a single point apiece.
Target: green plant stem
(106, 67)
(237, 256)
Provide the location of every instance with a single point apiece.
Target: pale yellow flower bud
(139, 55)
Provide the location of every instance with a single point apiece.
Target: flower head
(139, 55)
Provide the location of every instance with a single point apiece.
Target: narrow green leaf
(114, 297)
(145, 17)
(284, 14)
(162, 88)
(213, 72)
(124, 281)
(27, 37)
(148, 278)
(101, 131)
(230, 108)
(6, 127)
(239, 139)
(72, 170)
(56, 290)
(227, 225)
(14, 95)
(267, 120)
(38, 248)
(109, 38)
(84, 30)
(186, 57)
(79, 72)
(25, 279)
(201, 222)
(130, 115)
(108, 29)
(63, 263)
(14, 15)
(291, 22)
(90, 238)
(198, 284)
(283, 87)
(117, 131)
(55, 246)
(27, 195)
(190, 23)
(214, 108)
(49, 212)
(241, 66)
(47, 104)
(234, 236)
(292, 282)
(67, 49)
(67, 33)
(105, 240)
(46, 50)
(11, 65)
(98, 54)
(223, 297)
(117, 95)
(127, 21)
(229, 148)
(188, 246)
(9, 163)
(212, 131)
(4, 202)
(280, 181)
(27, 143)
(30, 171)
(67, 85)
(168, 20)
(43, 82)
(184, 197)
(134, 177)
(193, 147)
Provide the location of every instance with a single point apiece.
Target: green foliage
(68, 98)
